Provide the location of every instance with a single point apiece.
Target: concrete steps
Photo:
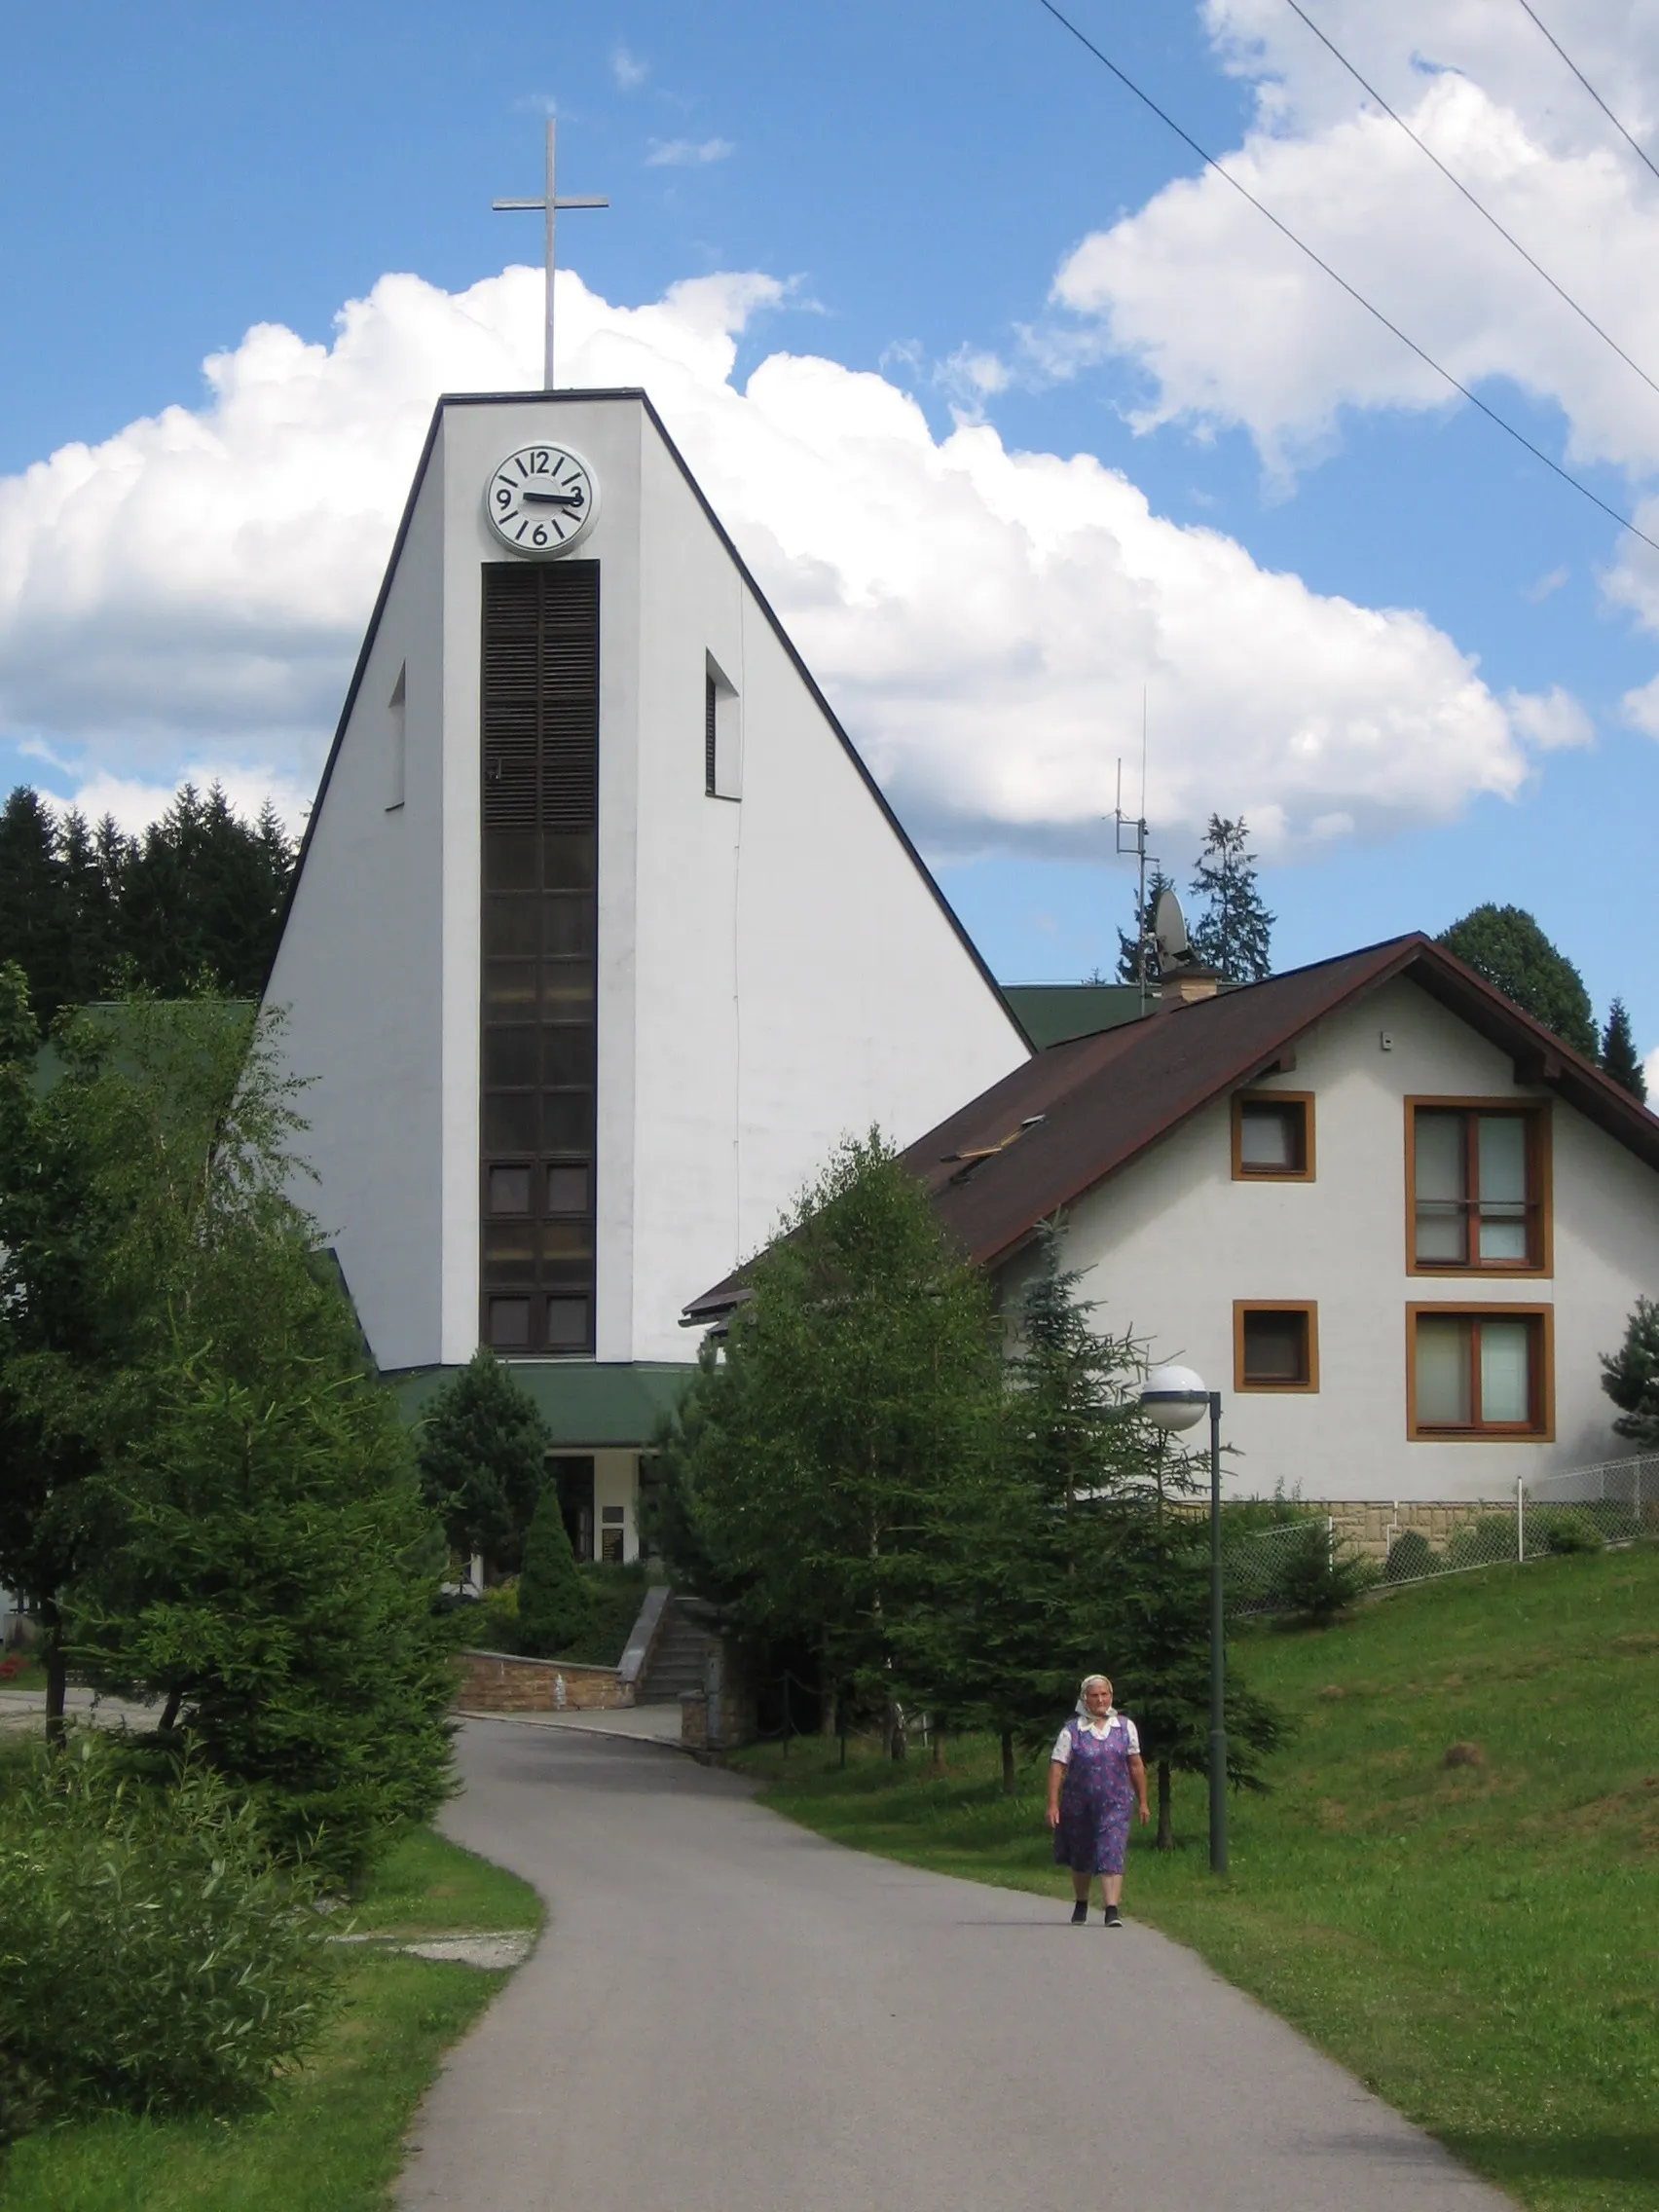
(679, 1659)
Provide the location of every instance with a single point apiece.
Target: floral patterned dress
(1097, 1798)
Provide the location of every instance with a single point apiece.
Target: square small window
(567, 1325)
(567, 1189)
(1272, 1137)
(611, 1512)
(509, 1323)
(509, 1189)
(1275, 1347)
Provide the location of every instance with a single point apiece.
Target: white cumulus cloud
(1234, 325)
(189, 594)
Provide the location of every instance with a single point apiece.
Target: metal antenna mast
(549, 204)
(1136, 825)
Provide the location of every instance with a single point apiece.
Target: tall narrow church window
(541, 726)
(397, 764)
(723, 734)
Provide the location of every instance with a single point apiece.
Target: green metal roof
(1053, 1013)
(584, 1402)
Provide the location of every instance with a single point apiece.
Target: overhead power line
(1637, 150)
(1508, 236)
(1302, 246)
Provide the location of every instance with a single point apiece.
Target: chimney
(1187, 984)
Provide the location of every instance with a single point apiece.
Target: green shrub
(492, 1623)
(1410, 1556)
(1484, 1541)
(615, 1595)
(1318, 1579)
(553, 1610)
(153, 1956)
(1566, 1528)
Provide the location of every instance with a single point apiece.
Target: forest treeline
(87, 911)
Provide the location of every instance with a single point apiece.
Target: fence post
(1520, 1519)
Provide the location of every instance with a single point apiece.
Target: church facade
(602, 934)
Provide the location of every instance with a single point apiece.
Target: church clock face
(541, 500)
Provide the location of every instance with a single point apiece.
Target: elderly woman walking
(1095, 1775)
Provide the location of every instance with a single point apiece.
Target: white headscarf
(1088, 1682)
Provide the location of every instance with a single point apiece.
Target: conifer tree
(484, 1460)
(202, 1492)
(813, 1469)
(1619, 1056)
(553, 1604)
(1234, 931)
(1032, 1603)
(1631, 1376)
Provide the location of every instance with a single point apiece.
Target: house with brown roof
(1391, 1216)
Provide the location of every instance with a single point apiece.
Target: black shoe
(1114, 1918)
(1080, 1912)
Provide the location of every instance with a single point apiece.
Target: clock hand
(551, 498)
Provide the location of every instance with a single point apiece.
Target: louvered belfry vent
(540, 697)
(541, 775)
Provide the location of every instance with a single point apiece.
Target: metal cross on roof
(549, 204)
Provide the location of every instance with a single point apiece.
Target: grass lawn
(332, 2139)
(1479, 1944)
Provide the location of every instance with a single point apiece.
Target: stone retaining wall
(499, 1681)
(1370, 1526)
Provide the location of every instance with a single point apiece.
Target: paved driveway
(728, 2014)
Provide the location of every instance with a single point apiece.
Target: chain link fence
(1615, 1501)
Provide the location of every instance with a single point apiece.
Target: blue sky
(917, 182)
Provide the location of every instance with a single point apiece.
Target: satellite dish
(1169, 928)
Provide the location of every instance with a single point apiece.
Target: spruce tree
(1506, 945)
(203, 1491)
(553, 1608)
(1234, 931)
(1619, 1057)
(483, 1460)
(1630, 1377)
(812, 1475)
(1033, 1592)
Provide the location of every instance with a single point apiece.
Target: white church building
(602, 936)
(601, 932)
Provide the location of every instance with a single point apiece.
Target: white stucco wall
(1170, 1244)
(357, 973)
(773, 971)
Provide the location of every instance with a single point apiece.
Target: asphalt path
(730, 2014)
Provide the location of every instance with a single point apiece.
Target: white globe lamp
(1174, 1397)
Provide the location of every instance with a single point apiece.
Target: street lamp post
(1177, 1399)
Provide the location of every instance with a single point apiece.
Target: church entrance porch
(601, 1417)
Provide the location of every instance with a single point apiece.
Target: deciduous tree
(1506, 945)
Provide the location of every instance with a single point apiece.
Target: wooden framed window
(1477, 1187)
(1275, 1344)
(1478, 1372)
(538, 1059)
(1273, 1136)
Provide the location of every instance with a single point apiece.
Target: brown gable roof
(1067, 1119)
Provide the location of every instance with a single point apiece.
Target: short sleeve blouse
(1062, 1751)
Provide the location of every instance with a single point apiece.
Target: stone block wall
(1371, 1526)
(498, 1681)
